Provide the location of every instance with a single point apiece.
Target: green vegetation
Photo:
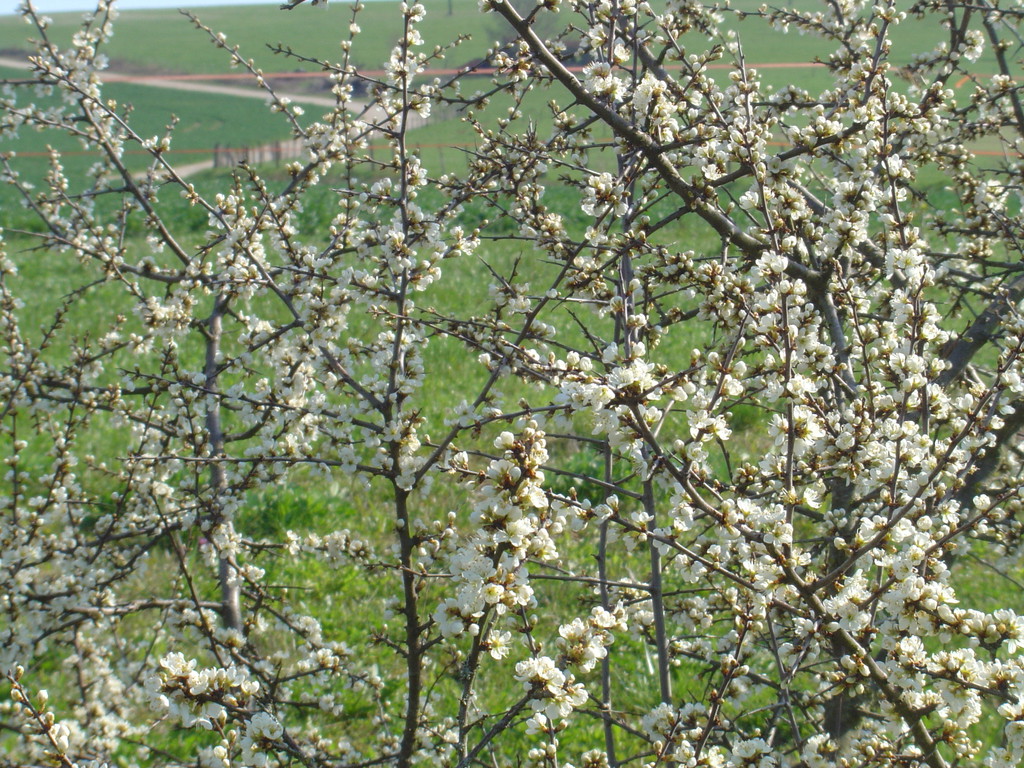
(203, 121)
(165, 41)
(309, 503)
(155, 40)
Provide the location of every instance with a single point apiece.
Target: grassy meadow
(158, 41)
(154, 41)
(164, 42)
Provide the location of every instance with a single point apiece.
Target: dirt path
(279, 150)
(7, 61)
(155, 81)
(274, 152)
(223, 90)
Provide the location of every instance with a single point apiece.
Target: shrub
(784, 337)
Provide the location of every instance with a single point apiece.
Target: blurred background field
(158, 45)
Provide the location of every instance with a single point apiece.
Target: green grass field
(153, 41)
(165, 41)
(204, 119)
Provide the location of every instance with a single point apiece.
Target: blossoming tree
(720, 468)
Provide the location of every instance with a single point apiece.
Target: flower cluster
(201, 698)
